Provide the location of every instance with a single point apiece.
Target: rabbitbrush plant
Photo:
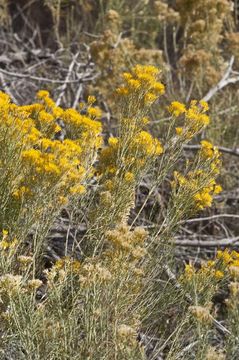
(111, 301)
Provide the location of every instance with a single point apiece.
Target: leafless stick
(68, 76)
(225, 80)
(36, 78)
(209, 218)
(7, 89)
(234, 152)
(77, 97)
(186, 349)
(208, 243)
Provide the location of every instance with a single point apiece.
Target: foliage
(132, 165)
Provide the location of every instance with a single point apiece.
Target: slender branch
(77, 97)
(234, 152)
(7, 89)
(225, 80)
(208, 243)
(68, 76)
(37, 78)
(208, 218)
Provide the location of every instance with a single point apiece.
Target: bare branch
(68, 76)
(223, 149)
(225, 80)
(36, 78)
(208, 243)
(7, 89)
(206, 218)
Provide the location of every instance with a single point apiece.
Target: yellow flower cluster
(204, 198)
(45, 161)
(201, 313)
(92, 274)
(194, 117)
(135, 148)
(225, 263)
(142, 82)
(10, 284)
(142, 148)
(176, 108)
(67, 263)
(199, 184)
(228, 258)
(208, 269)
(125, 331)
(88, 273)
(190, 185)
(84, 127)
(6, 242)
(127, 242)
(207, 149)
(145, 145)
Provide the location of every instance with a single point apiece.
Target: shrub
(97, 306)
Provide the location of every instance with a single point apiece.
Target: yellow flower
(122, 91)
(149, 98)
(34, 284)
(203, 199)
(41, 94)
(224, 256)
(219, 274)
(207, 149)
(113, 141)
(179, 131)
(22, 191)
(134, 84)
(4, 245)
(201, 313)
(25, 260)
(217, 189)
(204, 105)
(91, 100)
(176, 108)
(77, 189)
(129, 176)
(159, 88)
(127, 76)
(94, 112)
(189, 271)
(57, 128)
(126, 331)
(145, 120)
(5, 232)
(63, 200)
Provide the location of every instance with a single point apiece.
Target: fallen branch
(7, 89)
(67, 80)
(206, 218)
(223, 149)
(225, 80)
(37, 78)
(208, 243)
